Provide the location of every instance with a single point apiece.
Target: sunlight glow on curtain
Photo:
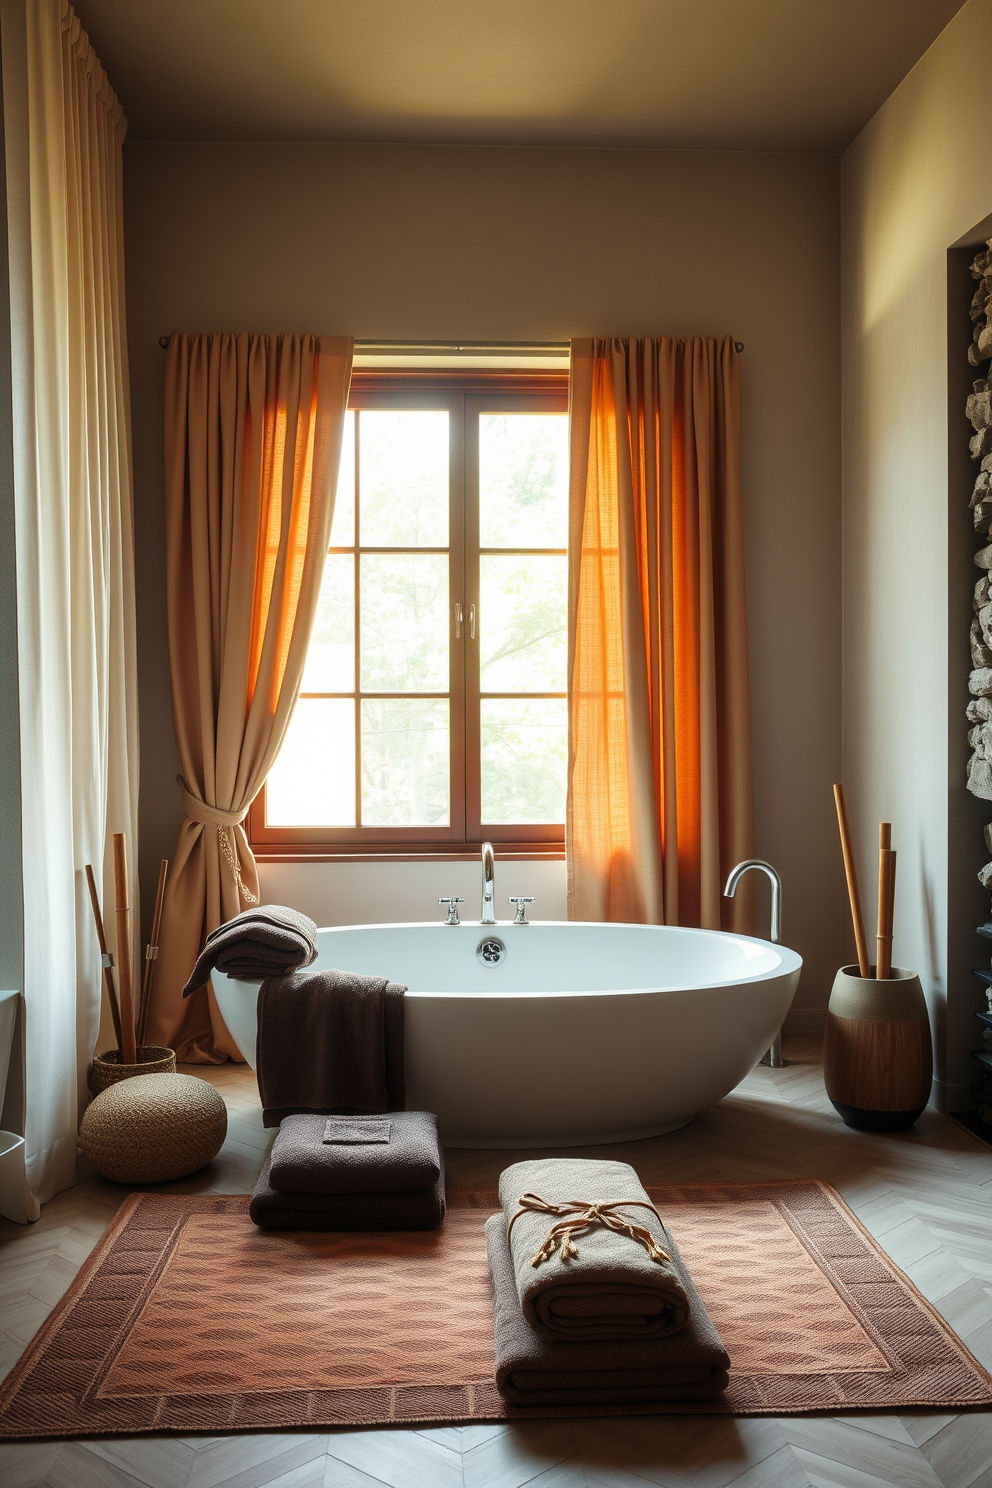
(659, 790)
(75, 573)
(253, 430)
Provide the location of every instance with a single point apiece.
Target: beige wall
(434, 242)
(918, 180)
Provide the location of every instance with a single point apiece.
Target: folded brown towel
(531, 1370)
(329, 1041)
(416, 1209)
(612, 1289)
(303, 1162)
(268, 941)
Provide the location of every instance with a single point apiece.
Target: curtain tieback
(210, 816)
(580, 1217)
(225, 822)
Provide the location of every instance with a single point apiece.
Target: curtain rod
(436, 348)
(467, 348)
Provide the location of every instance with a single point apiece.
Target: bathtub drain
(491, 951)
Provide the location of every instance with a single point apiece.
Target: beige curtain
(74, 552)
(253, 429)
(659, 789)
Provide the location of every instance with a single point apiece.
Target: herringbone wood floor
(926, 1195)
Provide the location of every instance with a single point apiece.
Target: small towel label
(364, 1130)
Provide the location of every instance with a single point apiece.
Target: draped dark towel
(413, 1209)
(329, 1041)
(270, 940)
(533, 1370)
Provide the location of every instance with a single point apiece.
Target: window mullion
(456, 594)
(473, 742)
(356, 559)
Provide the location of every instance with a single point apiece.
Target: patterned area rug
(187, 1319)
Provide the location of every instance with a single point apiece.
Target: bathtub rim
(790, 961)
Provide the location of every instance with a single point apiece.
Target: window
(432, 713)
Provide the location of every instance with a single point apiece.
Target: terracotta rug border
(78, 1284)
(939, 1322)
(309, 1416)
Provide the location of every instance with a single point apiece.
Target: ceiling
(737, 74)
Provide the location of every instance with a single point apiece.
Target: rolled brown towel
(614, 1287)
(416, 1209)
(270, 940)
(405, 1154)
(531, 1370)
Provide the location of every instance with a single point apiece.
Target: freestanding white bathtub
(581, 1034)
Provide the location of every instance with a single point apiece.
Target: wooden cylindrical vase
(877, 1056)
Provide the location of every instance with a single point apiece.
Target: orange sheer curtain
(659, 789)
(253, 428)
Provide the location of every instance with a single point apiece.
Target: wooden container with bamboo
(877, 1055)
(132, 1055)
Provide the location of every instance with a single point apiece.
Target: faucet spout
(488, 885)
(774, 1055)
(736, 874)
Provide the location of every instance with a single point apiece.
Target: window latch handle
(459, 617)
(471, 621)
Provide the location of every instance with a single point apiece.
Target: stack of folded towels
(352, 1173)
(593, 1303)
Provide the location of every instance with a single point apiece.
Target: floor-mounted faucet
(774, 1055)
(488, 885)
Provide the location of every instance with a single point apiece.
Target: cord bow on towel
(580, 1217)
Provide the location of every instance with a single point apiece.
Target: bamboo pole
(107, 960)
(151, 954)
(860, 939)
(883, 943)
(886, 905)
(124, 949)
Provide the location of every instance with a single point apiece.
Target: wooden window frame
(464, 395)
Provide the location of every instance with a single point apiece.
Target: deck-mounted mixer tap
(488, 885)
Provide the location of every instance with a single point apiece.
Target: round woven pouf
(153, 1129)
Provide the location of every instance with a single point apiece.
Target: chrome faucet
(488, 885)
(774, 1055)
(736, 874)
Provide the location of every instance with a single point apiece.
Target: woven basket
(107, 1069)
(153, 1129)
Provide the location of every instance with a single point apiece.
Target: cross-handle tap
(452, 901)
(774, 1055)
(521, 901)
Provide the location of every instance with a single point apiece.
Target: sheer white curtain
(75, 575)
